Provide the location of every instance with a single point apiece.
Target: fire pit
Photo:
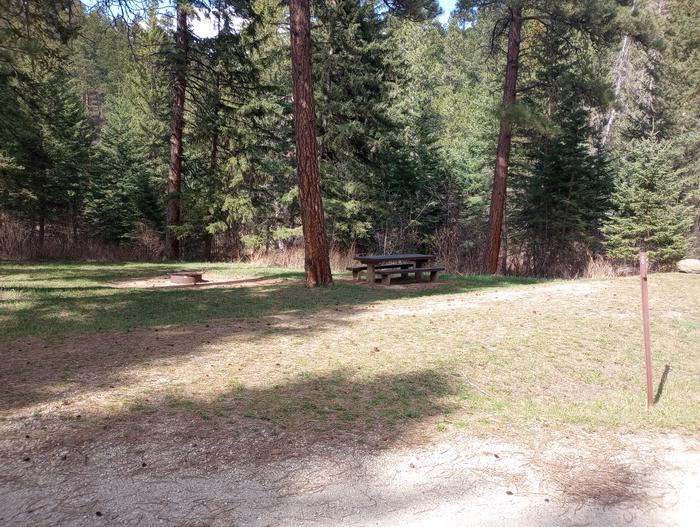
(186, 277)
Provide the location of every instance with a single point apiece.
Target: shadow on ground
(331, 449)
(82, 299)
(69, 350)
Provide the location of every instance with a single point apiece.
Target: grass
(54, 299)
(484, 354)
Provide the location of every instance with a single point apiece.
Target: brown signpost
(644, 274)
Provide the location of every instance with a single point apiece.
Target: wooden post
(644, 274)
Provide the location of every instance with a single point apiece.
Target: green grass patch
(52, 299)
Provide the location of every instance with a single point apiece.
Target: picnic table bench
(403, 265)
(357, 269)
(386, 273)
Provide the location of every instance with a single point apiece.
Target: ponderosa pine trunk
(316, 260)
(500, 175)
(177, 125)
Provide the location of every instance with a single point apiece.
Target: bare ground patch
(458, 480)
(210, 280)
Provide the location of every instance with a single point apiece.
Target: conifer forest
(526, 137)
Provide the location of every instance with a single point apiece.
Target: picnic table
(389, 264)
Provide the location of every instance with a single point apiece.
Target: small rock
(689, 265)
(509, 492)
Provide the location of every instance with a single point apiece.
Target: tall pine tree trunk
(42, 230)
(316, 260)
(177, 125)
(500, 175)
(213, 167)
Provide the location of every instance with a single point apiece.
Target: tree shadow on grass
(64, 341)
(334, 408)
(311, 408)
(318, 449)
(46, 311)
(103, 273)
(275, 437)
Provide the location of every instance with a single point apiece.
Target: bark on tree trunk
(208, 244)
(316, 260)
(213, 167)
(500, 175)
(42, 230)
(177, 125)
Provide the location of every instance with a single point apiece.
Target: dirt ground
(209, 280)
(111, 445)
(574, 481)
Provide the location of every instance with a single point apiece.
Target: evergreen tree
(679, 95)
(650, 209)
(412, 180)
(121, 196)
(145, 91)
(352, 78)
(49, 152)
(563, 183)
(565, 21)
(100, 60)
(238, 174)
(560, 205)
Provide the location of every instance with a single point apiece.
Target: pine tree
(559, 207)
(352, 88)
(650, 209)
(178, 90)
(121, 196)
(679, 94)
(563, 182)
(563, 20)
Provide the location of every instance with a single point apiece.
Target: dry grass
(284, 364)
(293, 258)
(606, 476)
(19, 241)
(104, 389)
(205, 381)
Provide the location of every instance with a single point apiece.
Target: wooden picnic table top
(378, 258)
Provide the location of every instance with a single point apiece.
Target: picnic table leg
(370, 273)
(419, 275)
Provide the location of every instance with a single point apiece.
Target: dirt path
(467, 481)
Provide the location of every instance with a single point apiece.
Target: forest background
(409, 101)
